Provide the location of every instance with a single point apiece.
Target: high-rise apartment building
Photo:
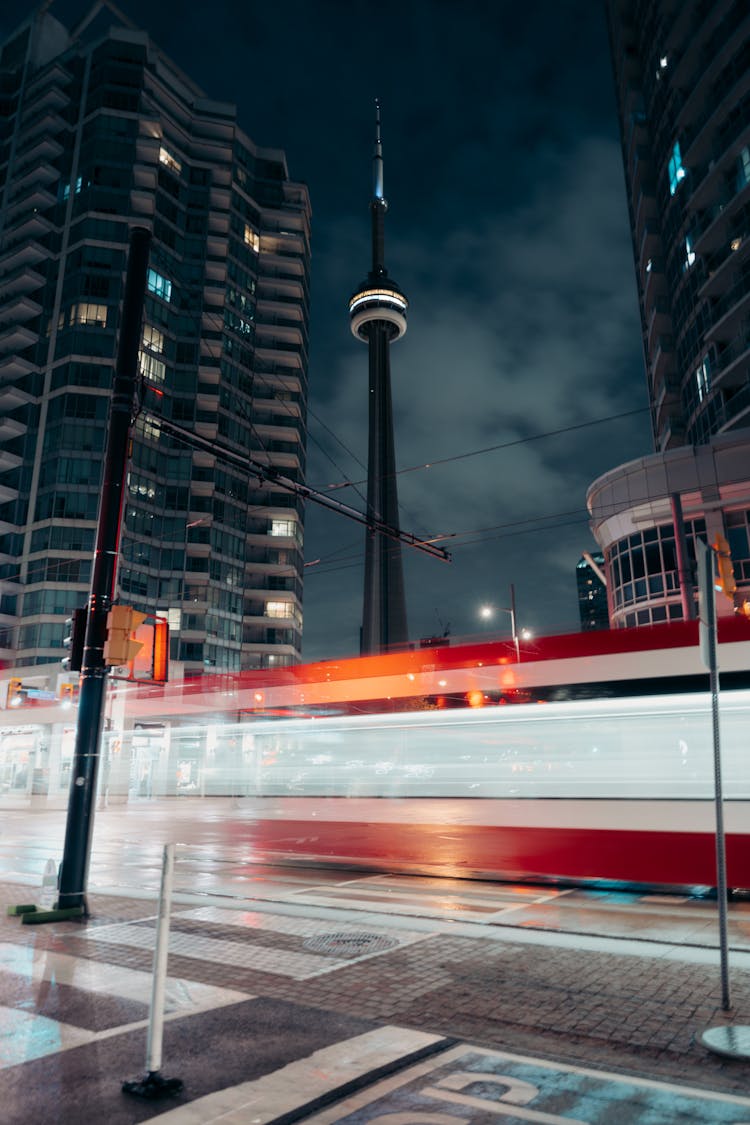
(99, 132)
(682, 73)
(592, 592)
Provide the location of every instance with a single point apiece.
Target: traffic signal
(160, 659)
(120, 647)
(725, 580)
(16, 694)
(75, 635)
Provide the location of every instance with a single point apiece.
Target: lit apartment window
(278, 609)
(159, 285)
(703, 379)
(743, 168)
(251, 238)
(151, 367)
(86, 313)
(153, 339)
(231, 320)
(77, 189)
(169, 160)
(282, 527)
(676, 169)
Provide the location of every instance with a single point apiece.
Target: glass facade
(592, 594)
(681, 75)
(644, 585)
(96, 137)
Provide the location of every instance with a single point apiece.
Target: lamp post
(487, 611)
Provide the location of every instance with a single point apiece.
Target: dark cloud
(522, 322)
(508, 231)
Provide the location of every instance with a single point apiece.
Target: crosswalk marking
(242, 953)
(26, 1035)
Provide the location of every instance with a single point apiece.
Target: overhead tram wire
(509, 530)
(210, 314)
(274, 476)
(501, 445)
(250, 509)
(257, 375)
(219, 321)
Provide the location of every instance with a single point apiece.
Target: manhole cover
(349, 945)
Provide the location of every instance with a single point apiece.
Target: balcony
(673, 433)
(47, 122)
(694, 53)
(143, 202)
(660, 322)
(730, 311)
(7, 494)
(42, 148)
(15, 367)
(17, 338)
(31, 224)
(731, 365)
(698, 129)
(18, 309)
(8, 461)
(38, 198)
(42, 172)
(11, 428)
(721, 268)
(23, 280)
(147, 148)
(737, 409)
(11, 397)
(21, 254)
(655, 283)
(662, 360)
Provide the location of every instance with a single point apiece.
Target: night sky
(508, 232)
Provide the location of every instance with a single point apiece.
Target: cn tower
(378, 316)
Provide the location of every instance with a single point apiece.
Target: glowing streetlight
(486, 611)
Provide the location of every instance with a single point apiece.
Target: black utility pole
(92, 681)
(378, 317)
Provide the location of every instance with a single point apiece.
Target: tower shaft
(384, 622)
(378, 316)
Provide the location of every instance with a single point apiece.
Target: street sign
(706, 605)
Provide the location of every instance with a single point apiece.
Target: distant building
(100, 131)
(682, 75)
(592, 594)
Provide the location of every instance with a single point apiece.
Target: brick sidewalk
(637, 1015)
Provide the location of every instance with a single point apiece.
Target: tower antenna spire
(377, 160)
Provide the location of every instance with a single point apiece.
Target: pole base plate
(733, 1042)
(153, 1086)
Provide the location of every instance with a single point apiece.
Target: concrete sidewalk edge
(343, 1069)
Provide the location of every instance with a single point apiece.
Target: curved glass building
(682, 74)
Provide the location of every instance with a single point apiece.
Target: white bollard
(161, 953)
(153, 1085)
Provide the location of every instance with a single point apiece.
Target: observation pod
(379, 300)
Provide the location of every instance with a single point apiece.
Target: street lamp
(487, 611)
